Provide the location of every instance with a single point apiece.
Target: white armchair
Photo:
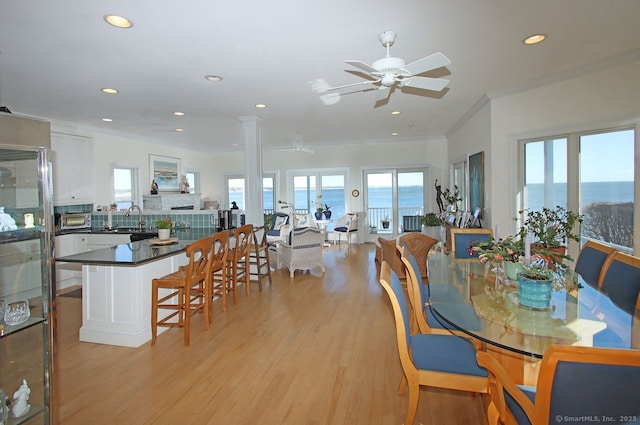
(346, 225)
(304, 250)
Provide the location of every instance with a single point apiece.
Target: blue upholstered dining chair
(591, 259)
(574, 382)
(463, 239)
(621, 280)
(427, 320)
(441, 361)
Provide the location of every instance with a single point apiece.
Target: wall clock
(355, 193)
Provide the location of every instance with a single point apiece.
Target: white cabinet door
(72, 158)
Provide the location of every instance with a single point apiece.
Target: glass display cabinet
(27, 293)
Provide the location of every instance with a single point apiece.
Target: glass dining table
(488, 310)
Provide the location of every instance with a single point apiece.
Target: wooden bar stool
(184, 291)
(259, 257)
(219, 269)
(237, 267)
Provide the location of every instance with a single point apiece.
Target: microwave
(75, 220)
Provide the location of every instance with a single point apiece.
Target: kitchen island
(116, 287)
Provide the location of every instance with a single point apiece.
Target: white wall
(603, 99)
(109, 148)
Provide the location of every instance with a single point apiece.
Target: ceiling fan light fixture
(534, 39)
(118, 21)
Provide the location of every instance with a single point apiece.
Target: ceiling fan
(296, 146)
(388, 72)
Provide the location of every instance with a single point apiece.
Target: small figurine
(154, 188)
(184, 185)
(20, 399)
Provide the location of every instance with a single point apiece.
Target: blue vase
(318, 215)
(327, 214)
(534, 294)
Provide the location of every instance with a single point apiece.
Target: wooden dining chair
(591, 260)
(621, 280)
(390, 252)
(259, 263)
(419, 245)
(574, 382)
(441, 361)
(463, 239)
(183, 292)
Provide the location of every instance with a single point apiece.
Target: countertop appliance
(75, 220)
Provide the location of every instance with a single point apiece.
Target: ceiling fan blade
(363, 66)
(382, 93)
(425, 83)
(436, 60)
(352, 84)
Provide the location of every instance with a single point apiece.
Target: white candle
(109, 219)
(527, 247)
(495, 232)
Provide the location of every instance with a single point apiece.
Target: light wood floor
(305, 351)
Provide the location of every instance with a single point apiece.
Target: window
(193, 177)
(314, 190)
(125, 186)
(592, 173)
(236, 191)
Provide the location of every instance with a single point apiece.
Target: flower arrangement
(163, 223)
(497, 251)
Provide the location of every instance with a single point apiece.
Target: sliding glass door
(395, 200)
(317, 190)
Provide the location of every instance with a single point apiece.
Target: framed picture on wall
(476, 182)
(165, 171)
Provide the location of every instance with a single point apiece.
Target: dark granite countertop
(140, 252)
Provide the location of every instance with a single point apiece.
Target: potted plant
(432, 223)
(385, 222)
(551, 229)
(452, 198)
(508, 253)
(327, 211)
(164, 228)
(535, 284)
(318, 213)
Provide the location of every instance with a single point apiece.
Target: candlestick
(527, 247)
(496, 232)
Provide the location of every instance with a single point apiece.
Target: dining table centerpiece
(505, 255)
(535, 284)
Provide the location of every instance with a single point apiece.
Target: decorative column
(254, 205)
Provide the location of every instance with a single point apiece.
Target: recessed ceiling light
(260, 105)
(118, 21)
(395, 113)
(178, 114)
(534, 39)
(214, 78)
(109, 91)
(179, 129)
(395, 133)
(107, 119)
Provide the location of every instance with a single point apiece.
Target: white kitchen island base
(116, 301)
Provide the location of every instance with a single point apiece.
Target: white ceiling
(56, 55)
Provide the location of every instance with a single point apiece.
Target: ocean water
(412, 196)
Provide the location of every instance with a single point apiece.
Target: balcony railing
(376, 215)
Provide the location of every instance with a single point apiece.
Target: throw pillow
(280, 221)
